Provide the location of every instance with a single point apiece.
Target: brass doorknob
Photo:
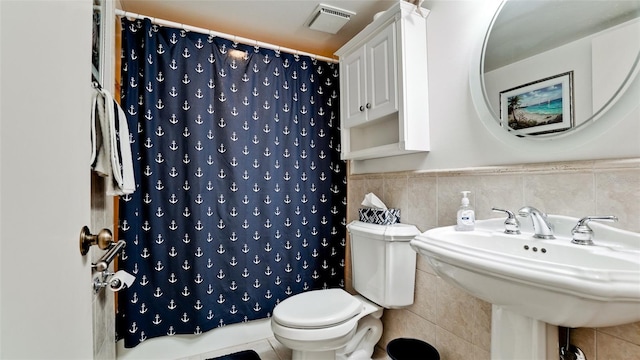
(103, 239)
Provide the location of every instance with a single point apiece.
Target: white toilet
(333, 324)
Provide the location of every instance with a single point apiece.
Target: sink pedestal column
(514, 336)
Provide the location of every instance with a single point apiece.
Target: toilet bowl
(334, 324)
(316, 332)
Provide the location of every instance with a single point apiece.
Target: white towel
(110, 147)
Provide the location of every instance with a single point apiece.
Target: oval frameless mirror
(549, 68)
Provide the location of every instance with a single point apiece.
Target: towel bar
(107, 258)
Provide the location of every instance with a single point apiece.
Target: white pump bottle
(466, 219)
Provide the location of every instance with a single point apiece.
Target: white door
(45, 284)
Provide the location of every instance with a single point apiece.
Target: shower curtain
(242, 194)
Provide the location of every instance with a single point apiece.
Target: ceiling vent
(329, 19)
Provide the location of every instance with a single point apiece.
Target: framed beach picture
(97, 48)
(540, 107)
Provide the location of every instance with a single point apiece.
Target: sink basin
(553, 281)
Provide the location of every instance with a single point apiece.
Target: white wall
(45, 301)
(614, 52)
(458, 137)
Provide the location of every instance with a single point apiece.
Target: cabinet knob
(361, 108)
(368, 106)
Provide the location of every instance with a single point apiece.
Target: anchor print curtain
(242, 194)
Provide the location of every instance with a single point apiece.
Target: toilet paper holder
(101, 280)
(116, 281)
(104, 240)
(105, 277)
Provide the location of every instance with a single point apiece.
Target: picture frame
(539, 107)
(98, 42)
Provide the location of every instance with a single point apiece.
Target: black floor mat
(242, 355)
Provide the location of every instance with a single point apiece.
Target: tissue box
(378, 216)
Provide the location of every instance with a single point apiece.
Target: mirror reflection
(552, 66)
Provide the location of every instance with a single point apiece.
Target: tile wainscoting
(457, 324)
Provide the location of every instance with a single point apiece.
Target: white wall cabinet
(370, 86)
(383, 86)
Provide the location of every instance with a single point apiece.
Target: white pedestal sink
(514, 336)
(533, 282)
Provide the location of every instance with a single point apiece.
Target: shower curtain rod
(237, 39)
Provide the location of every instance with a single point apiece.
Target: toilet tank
(383, 265)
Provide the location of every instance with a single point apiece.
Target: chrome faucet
(541, 227)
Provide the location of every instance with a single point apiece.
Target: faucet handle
(511, 224)
(582, 233)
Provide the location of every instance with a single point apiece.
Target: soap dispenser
(466, 220)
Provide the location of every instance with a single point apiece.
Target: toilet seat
(317, 309)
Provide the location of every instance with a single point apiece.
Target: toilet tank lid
(317, 308)
(395, 232)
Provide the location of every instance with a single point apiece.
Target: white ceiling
(278, 22)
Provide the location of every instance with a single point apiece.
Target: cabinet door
(381, 70)
(353, 94)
